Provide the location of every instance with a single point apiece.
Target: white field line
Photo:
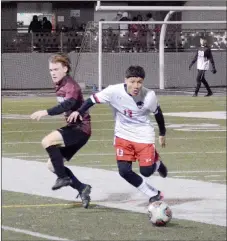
(15, 153)
(212, 176)
(19, 131)
(34, 234)
(111, 140)
(206, 130)
(184, 176)
(217, 180)
(51, 122)
(211, 208)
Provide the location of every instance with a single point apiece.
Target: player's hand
(162, 141)
(190, 67)
(73, 117)
(214, 71)
(38, 114)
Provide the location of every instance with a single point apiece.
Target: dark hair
(149, 15)
(61, 58)
(135, 71)
(204, 40)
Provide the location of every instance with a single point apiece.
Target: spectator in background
(118, 17)
(47, 26)
(124, 27)
(116, 27)
(151, 33)
(35, 26)
(203, 58)
(151, 27)
(139, 17)
(82, 27)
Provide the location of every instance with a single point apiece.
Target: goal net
(125, 44)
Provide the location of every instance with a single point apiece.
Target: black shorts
(74, 139)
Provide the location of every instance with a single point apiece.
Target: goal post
(161, 43)
(159, 8)
(170, 10)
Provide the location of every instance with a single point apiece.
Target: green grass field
(197, 151)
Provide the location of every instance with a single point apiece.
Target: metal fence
(113, 40)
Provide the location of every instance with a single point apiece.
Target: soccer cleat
(62, 182)
(157, 197)
(208, 94)
(163, 171)
(195, 95)
(84, 195)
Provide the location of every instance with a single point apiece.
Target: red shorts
(126, 150)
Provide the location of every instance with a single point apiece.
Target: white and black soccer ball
(159, 213)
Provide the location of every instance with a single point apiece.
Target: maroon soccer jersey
(69, 93)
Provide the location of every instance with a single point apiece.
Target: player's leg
(74, 140)
(149, 163)
(126, 172)
(125, 155)
(51, 143)
(207, 86)
(198, 81)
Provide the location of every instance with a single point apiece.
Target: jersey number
(128, 113)
(201, 53)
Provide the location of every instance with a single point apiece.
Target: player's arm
(161, 124)
(193, 60)
(160, 121)
(210, 57)
(72, 93)
(71, 96)
(103, 96)
(156, 109)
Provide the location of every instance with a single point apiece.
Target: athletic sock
(76, 184)
(57, 161)
(157, 165)
(147, 189)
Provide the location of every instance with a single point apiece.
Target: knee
(148, 171)
(124, 169)
(50, 165)
(45, 142)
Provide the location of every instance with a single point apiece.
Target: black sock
(76, 183)
(57, 160)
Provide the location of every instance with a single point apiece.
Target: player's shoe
(208, 94)
(85, 195)
(62, 182)
(157, 197)
(163, 171)
(194, 95)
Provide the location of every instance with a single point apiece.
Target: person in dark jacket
(203, 57)
(47, 26)
(35, 26)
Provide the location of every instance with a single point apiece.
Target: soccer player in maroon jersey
(64, 142)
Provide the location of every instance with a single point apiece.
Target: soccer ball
(159, 213)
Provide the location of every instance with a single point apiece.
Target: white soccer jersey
(131, 113)
(203, 63)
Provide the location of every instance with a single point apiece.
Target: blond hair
(61, 58)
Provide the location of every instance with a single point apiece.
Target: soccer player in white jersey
(203, 57)
(134, 133)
